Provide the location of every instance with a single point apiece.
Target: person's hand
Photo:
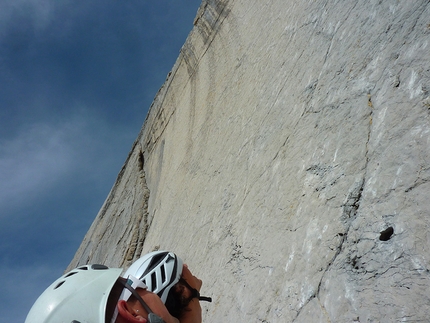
(194, 312)
(192, 280)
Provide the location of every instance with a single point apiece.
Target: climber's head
(85, 294)
(159, 270)
(165, 274)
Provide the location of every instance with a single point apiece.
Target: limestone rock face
(287, 160)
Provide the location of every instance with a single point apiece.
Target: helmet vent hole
(99, 267)
(70, 274)
(153, 281)
(163, 274)
(59, 284)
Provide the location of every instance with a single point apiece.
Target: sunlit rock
(287, 160)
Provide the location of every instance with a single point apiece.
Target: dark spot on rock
(354, 263)
(386, 234)
(140, 161)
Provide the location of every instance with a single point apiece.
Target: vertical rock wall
(287, 160)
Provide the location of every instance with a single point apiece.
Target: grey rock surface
(287, 160)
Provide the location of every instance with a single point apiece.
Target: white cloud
(39, 157)
(44, 156)
(39, 11)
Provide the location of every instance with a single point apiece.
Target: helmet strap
(152, 317)
(137, 296)
(194, 292)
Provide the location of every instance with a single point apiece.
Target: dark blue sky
(77, 79)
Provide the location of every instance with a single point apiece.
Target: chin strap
(195, 293)
(205, 298)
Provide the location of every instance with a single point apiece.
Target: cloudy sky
(76, 80)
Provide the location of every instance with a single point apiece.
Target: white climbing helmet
(158, 270)
(80, 296)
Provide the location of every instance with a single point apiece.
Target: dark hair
(176, 303)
